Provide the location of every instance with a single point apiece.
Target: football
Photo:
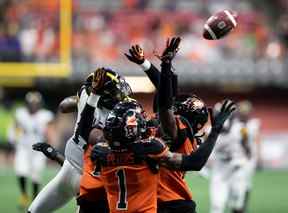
(220, 24)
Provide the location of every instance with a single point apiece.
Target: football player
(172, 187)
(92, 195)
(131, 184)
(173, 192)
(65, 185)
(31, 124)
(234, 162)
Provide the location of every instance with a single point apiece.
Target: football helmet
(193, 109)
(115, 89)
(125, 124)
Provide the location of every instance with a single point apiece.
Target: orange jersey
(129, 183)
(91, 183)
(172, 185)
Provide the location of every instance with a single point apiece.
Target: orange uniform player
(92, 192)
(172, 185)
(130, 184)
(91, 184)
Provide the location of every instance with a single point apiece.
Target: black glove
(136, 54)
(151, 146)
(219, 119)
(46, 149)
(99, 153)
(172, 47)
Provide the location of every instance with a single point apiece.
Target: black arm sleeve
(196, 160)
(174, 84)
(154, 75)
(165, 96)
(85, 123)
(174, 89)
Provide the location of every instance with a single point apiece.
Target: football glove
(99, 153)
(136, 54)
(219, 119)
(46, 149)
(99, 79)
(172, 47)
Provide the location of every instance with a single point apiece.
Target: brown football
(220, 24)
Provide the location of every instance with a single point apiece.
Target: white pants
(29, 163)
(60, 190)
(228, 187)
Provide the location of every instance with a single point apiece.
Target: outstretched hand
(136, 54)
(172, 47)
(219, 119)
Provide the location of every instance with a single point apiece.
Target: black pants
(177, 206)
(90, 207)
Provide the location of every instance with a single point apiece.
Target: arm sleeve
(165, 102)
(165, 95)
(87, 117)
(154, 75)
(196, 160)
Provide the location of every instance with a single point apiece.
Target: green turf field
(270, 192)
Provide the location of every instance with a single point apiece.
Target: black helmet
(115, 85)
(194, 110)
(115, 89)
(125, 124)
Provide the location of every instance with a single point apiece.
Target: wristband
(146, 65)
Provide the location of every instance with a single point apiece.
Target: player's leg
(61, 189)
(38, 164)
(21, 166)
(219, 189)
(239, 189)
(35, 188)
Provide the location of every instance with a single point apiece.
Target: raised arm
(87, 115)
(196, 160)
(136, 55)
(165, 93)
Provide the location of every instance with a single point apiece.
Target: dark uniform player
(173, 193)
(110, 88)
(131, 184)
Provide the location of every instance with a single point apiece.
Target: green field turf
(270, 193)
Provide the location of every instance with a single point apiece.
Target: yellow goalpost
(61, 69)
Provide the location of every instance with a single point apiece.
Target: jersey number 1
(122, 199)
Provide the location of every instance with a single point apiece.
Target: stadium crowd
(28, 35)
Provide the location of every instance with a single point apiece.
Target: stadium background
(50, 46)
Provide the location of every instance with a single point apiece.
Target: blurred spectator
(10, 49)
(109, 28)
